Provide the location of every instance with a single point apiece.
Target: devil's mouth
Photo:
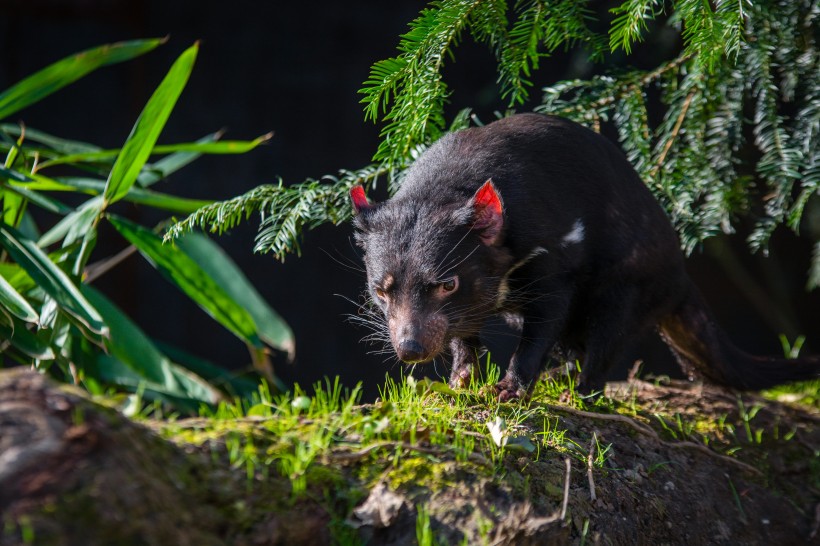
(421, 361)
(424, 358)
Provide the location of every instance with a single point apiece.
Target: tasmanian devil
(540, 218)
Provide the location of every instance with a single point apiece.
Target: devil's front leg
(544, 317)
(465, 359)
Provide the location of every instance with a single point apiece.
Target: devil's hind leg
(615, 322)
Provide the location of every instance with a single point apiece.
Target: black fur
(582, 252)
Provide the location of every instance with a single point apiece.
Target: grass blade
(56, 76)
(144, 135)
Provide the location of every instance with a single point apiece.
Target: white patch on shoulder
(503, 286)
(575, 235)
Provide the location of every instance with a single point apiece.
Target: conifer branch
(674, 134)
(738, 57)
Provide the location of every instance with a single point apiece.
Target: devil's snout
(409, 346)
(410, 350)
(409, 340)
(417, 337)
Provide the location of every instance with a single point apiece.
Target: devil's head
(433, 265)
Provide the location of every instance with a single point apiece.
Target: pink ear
(359, 199)
(488, 213)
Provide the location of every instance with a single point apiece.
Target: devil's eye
(449, 285)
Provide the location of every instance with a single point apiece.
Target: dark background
(295, 68)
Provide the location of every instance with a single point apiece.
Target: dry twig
(566, 489)
(645, 429)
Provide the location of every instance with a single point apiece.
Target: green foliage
(631, 20)
(697, 159)
(137, 148)
(408, 90)
(58, 75)
(285, 210)
(50, 317)
(740, 109)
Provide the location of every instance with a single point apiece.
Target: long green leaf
(51, 279)
(170, 164)
(225, 380)
(14, 204)
(146, 131)
(181, 270)
(17, 277)
(58, 75)
(57, 144)
(39, 182)
(171, 203)
(93, 186)
(16, 304)
(24, 340)
(211, 258)
(214, 148)
(13, 175)
(20, 280)
(141, 358)
(179, 205)
(74, 225)
(43, 201)
(13, 207)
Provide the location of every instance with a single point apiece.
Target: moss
(191, 436)
(420, 471)
(545, 480)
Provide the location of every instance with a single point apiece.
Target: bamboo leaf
(39, 182)
(74, 225)
(146, 131)
(51, 279)
(57, 144)
(43, 201)
(171, 203)
(141, 358)
(179, 205)
(172, 163)
(181, 270)
(13, 175)
(214, 261)
(24, 340)
(224, 147)
(13, 206)
(17, 277)
(16, 304)
(58, 75)
(225, 380)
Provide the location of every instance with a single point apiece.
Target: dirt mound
(74, 472)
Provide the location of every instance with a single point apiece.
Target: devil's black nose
(410, 350)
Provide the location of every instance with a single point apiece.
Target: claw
(509, 390)
(460, 377)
